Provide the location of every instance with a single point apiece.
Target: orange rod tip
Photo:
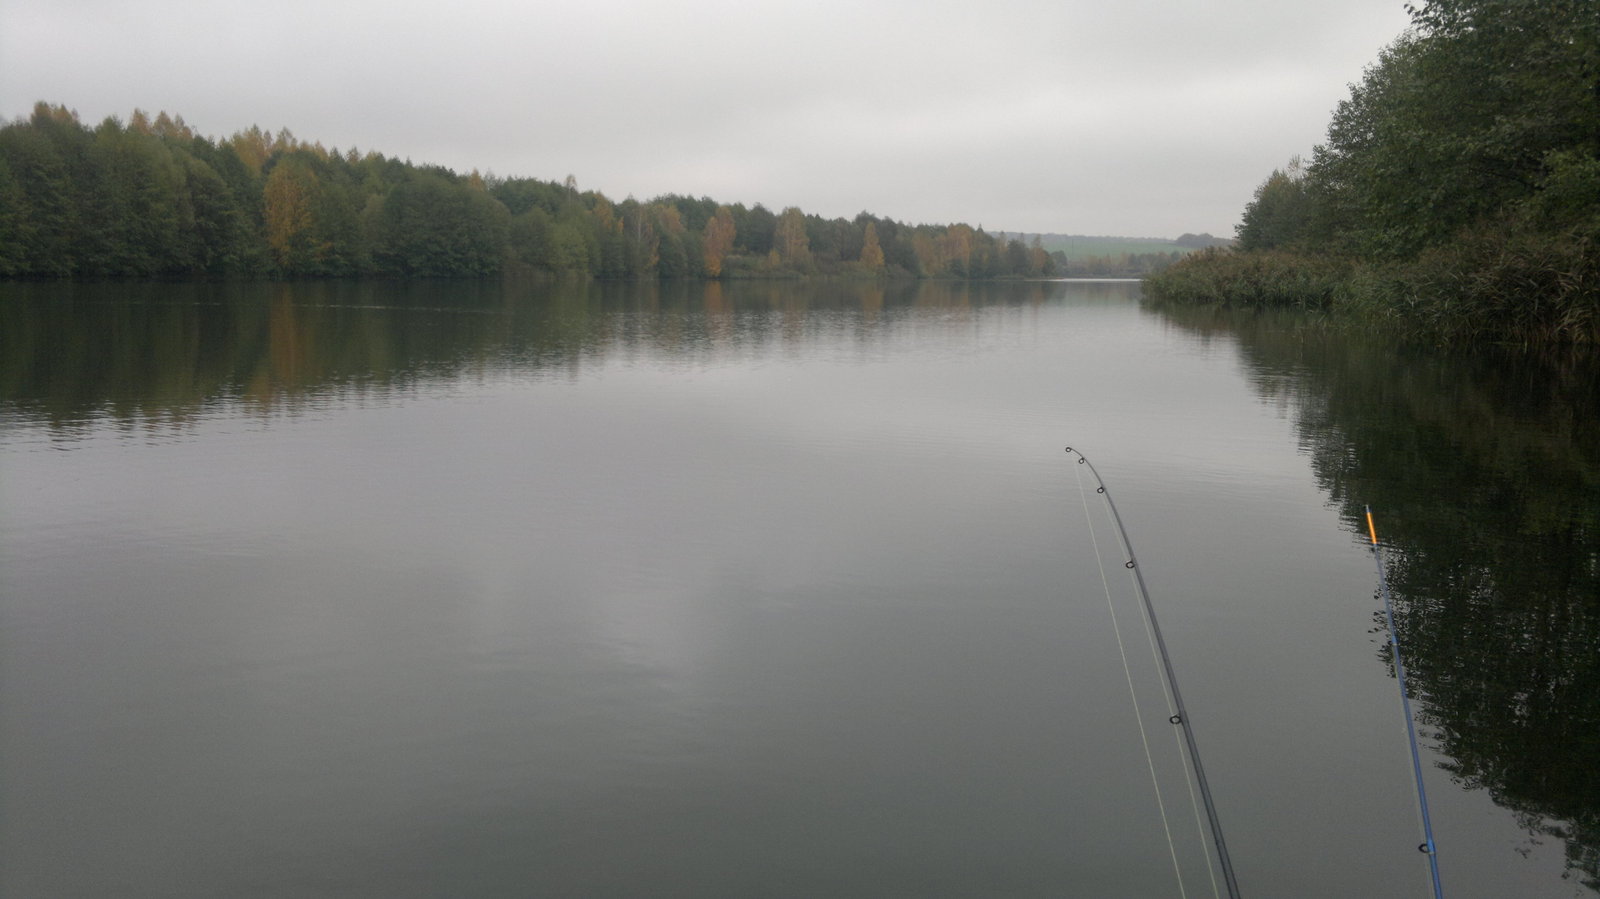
(1371, 528)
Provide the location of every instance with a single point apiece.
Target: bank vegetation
(1457, 193)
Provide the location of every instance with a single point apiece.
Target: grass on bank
(1485, 285)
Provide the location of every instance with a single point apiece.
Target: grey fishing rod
(1427, 847)
(1179, 716)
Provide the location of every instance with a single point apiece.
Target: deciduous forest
(150, 198)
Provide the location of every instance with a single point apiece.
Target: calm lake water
(513, 589)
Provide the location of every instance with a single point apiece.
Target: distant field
(1080, 247)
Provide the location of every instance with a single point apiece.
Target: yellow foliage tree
(605, 216)
(871, 251)
(929, 259)
(287, 210)
(252, 147)
(789, 240)
(717, 241)
(667, 218)
(176, 128)
(1038, 257)
(956, 246)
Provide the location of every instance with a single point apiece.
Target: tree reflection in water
(1484, 467)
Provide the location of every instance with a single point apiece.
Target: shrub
(1259, 280)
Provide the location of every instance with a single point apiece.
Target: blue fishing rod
(1427, 846)
(1180, 717)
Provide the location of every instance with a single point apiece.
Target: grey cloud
(1146, 118)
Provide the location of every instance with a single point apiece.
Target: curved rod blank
(1180, 716)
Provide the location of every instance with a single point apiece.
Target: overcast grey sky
(1133, 117)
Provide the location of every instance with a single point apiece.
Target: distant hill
(1080, 246)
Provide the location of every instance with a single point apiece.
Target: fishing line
(1427, 847)
(1177, 739)
(1150, 629)
(1138, 717)
(1180, 716)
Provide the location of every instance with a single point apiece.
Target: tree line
(1457, 191)
(1119, 265)
(151, 198)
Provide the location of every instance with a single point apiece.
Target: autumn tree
(789, 239)
(672, 240)
(287, 200)
(1040, 262)
(718, 241)
(253, 147)
(871, 252)
(955, 248)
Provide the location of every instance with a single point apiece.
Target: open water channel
(495, 589)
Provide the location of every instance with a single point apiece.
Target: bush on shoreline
(1488, 284)
(1257, 280)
